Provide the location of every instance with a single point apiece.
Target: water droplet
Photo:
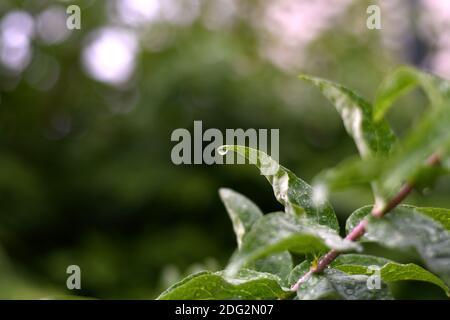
(320, 194)
(222, 150)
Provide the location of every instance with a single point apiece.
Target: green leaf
(276, 232)
(243, 212)
(392, 271)
(315, 288)
(429, 136)
(407, 229)
(399, 272)
(360, 260)
(370, 137)
(298, 272)
(402, 81)
(407, 160)
(207, 285)
(279, 264)
(334, 284)
(428, 176)
(356, 217)
(440, 215)
(349, 173)
(373, 139)
(407, 163)
(295, 194)
(354, 287)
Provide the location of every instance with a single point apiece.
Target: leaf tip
(226, 193)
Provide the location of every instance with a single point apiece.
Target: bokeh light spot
(110, 55)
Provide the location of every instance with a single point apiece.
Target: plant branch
(360, 229)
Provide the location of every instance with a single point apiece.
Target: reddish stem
(360, 229)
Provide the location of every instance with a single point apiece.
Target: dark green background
(106, 196)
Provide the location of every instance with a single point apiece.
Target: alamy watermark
(74, 280)
(374, 19)
(374, 280)
(206, 147)
(73, 21)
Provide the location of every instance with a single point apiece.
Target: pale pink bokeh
(435, 24)
(292, 25)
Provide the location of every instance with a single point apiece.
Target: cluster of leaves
(263, 265)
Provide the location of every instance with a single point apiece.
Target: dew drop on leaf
(320, 194)
(222, 150)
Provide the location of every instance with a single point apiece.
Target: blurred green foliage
(85, 171)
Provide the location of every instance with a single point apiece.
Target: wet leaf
(373, 139)
(402, 81)
(370, 137)
(335, 284)
(440, 215)
(206, 285)
(389, 271)
(315, 288)
(429, 136)
(243, 212)
(405, 228)
(355, 287)
(350, 173)
(360, 260)
(279, 264)
(406, 160)
(296, 195)
(356, 217)
(278, 232)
